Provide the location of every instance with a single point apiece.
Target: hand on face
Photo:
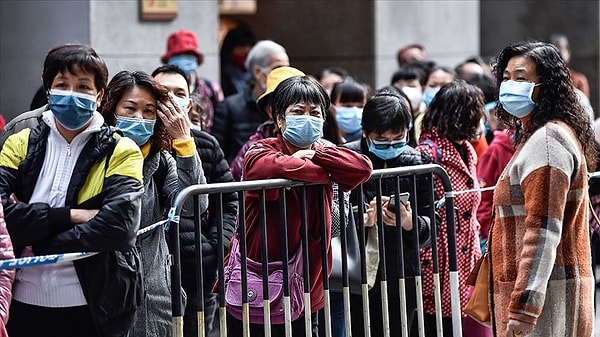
(176, 121)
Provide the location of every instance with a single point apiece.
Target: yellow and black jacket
(108, 177)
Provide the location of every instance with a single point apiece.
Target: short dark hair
(386, 111)
(72, 57)
(409, 72)
(119, 85)
(348, 90)
(171, 69)
(455, 111)
(295, 90)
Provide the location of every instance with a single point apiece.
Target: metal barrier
(283, 184)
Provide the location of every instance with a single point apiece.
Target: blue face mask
(72, 109)
(182, 102)
(428, 95)
(515, 97)
(140, 130)
(302, 130)
(387, 150)
(348, 118)
(185, 62)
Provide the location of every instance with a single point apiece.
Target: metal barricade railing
(283, 184)
(172, 225)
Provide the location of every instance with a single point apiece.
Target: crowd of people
(96, 160)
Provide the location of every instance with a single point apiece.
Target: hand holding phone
(403, 197)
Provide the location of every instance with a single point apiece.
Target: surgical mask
(185, 62)
(138, 129)
(182, 102)
(302, 130)
(515, 97)
(387, 150)
(428, 95)
(348, 118)
(415, 96)
(72, 109)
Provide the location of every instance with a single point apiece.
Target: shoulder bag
(233, 286)
(478, 306)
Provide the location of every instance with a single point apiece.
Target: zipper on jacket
(69, 149)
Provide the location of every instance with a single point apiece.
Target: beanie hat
(275, 77)
(182, 41)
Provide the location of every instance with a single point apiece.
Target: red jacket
(269, 158)
(491, 164)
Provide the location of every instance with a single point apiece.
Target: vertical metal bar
(285, 266)
(176, 304)
(220, 254)
(416, 257)
(363, 263)
(325, 239)
(345, 280)
(400, 259)
(306, 270)
(264, 246)
(382, 264)
(453, 266)
(200, 328)
(436, 275)
(243, 256)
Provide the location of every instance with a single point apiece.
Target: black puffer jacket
(216, 170)
(236, 119)
(410, 157)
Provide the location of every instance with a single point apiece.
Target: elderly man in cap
(182, 52)
(268, 128)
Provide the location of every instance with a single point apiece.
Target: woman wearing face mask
(453, 118)
(539, 242)
(348, 98)
(298, 105)
(156, 121)
(385, 128)
(72, 184)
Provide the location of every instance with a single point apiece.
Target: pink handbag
(233, 286)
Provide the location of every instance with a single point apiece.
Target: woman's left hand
(175, 120)
(518, 329)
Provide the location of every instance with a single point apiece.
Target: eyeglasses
(396, 144)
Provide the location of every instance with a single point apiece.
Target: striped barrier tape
(32, 261)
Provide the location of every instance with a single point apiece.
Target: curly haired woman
(539, 243)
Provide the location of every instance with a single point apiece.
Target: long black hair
(556, 100)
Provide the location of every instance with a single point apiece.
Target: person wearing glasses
(386, 122)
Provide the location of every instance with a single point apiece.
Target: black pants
(234, 328)
(30, 320)
(430, 326)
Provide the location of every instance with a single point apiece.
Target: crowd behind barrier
(171, 225)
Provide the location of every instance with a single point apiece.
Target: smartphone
(403, 197)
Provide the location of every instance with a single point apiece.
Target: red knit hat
(182, 41)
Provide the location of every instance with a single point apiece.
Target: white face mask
(415, 96)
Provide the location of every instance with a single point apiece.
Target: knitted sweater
(539, 245)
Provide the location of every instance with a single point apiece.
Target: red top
(491, 165)
(268, 159)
